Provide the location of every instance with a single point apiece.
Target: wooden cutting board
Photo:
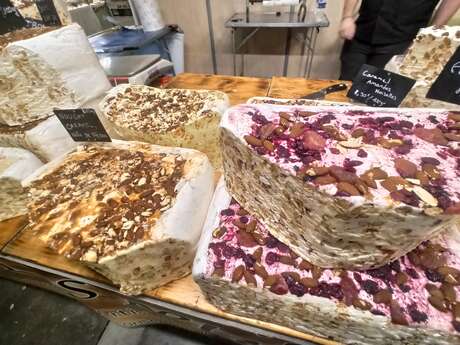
(282, 87)
(9, 228)
(238, 89)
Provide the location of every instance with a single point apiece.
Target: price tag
(447, 86)
(48, 12)
(10, 18)
(82, 124)
(376, 87)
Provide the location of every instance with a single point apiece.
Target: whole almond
(250, 279)
(267, 130)
(245, 239)
(324, 180)
(401, 278)
(287, 260)
(422, 177)
(313, 141)
(319, 171)
(270, 280)
(296, 130)
(305, 265)
(317, 272)
(431, 170)
(405, 168)
(309, 282)
(238, 274)
(293, 275)
(445, 270)
(361, 304)
(268, 145)
(449, 292)
(285, 115)
(433, 135)
(358, 132)
(260, 271)
(439, 304)
(260, 239)
(392, 183)
(242, 212)
(252, 140)
(376, 174)
(454, 116)
(397, 315)
(306, 113)
(362, 187)
(258, 254)
(383, 296)
(452, 137)
(342, 175)
(251, 226)
(456, 311)
(348, 188)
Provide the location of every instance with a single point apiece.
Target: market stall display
(182, 118)
(15, 166)
(244, 270)
(344, 187)
(37, 79)
(131, 211)
(250, 323)
(424, 61)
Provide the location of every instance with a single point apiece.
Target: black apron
(386, 22)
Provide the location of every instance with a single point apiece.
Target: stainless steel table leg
(242, 60)
(287, 52)
(234, 51)
(302, 54)
(211, 36)
(313, 45)
(310, 51)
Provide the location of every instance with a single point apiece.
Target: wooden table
(281, 87)
(23, 246)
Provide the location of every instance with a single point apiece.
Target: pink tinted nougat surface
(357, 140)
(403, 290)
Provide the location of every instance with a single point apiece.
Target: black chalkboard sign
(48, 12)
(447, 86)
(376, 87)
(10, 18)
(82, 124)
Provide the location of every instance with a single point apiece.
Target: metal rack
(307, 22)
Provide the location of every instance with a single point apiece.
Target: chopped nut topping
(141, 107)
(104, 211)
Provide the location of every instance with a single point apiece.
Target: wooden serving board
(238, 89)
(9, 228)
(282, 87)
(184, 292)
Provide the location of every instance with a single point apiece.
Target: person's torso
(392, 21)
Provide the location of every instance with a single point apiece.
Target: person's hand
(347, 28)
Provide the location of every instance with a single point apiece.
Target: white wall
(265, 55)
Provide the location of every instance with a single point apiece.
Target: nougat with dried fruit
(244, 270)
(345, 187)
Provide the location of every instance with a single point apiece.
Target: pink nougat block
(344, 187)
(244, 270)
